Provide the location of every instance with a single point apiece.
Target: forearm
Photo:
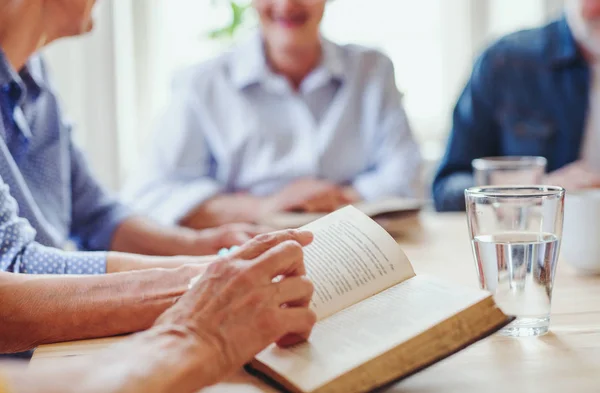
(203, 217)
(117, 262)
(184, 365)
(224, 209)
(139, 235)
(53, 309)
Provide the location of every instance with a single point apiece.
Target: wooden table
(565, 360)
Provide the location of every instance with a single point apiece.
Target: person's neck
(21, 35)
(294, 63)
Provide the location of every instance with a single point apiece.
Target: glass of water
(508, 170)
(515, 233)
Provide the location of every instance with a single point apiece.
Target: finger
(593, 181)
(320, 204)
(310, 207)
(293, 291)
(574, 183)
(297, 325)
(350, 195)
(261, 243)
(285, 259)
(335, 201)
(236, 238)
(295, 208)
(342, 199)
(289, 340)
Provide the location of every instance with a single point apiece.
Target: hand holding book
(378, 321)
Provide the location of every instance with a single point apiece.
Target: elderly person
(48, 195)
(227, 317)
(46, 172)
(285, 121)
(534, 92)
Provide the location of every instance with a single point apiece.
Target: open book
(378, 321)
(387, 212)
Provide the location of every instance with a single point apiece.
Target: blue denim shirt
(527, 95)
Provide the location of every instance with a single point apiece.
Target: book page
(368, 329)
(350, 259)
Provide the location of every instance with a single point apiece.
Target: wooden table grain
(565, 360)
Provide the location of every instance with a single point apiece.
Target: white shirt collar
(248, 64)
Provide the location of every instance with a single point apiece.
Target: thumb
(260, 244)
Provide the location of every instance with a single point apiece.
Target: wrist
(194, 242)
(224, 209)
(189, 271)
(199, 362)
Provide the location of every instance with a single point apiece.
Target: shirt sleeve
(21, 254)
(176, 174)
(474, 134)
(95, 213)
(396, 160)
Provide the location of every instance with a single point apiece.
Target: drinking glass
(515, 235)
(516, 170)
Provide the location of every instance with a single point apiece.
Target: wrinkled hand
(575, 176)
(237, 308)
(309, 195)
(210, 241)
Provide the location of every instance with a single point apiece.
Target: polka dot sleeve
(38, 259)
(19, 253)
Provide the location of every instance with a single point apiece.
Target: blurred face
(64, 18)
(584, 20)
(290, 23)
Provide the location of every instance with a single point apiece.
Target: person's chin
(290, 37)
(285, 43)
(76, 30)
(87, 27)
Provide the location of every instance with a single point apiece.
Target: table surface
(566, 359)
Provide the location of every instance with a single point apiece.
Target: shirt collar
(33, 73)
(333, 59)
(248, 63)
(249, 66)
(30, 77)
(7, 72)
(561, 46)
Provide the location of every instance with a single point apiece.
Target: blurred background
(115, 82)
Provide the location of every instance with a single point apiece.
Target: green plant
(239, 16)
